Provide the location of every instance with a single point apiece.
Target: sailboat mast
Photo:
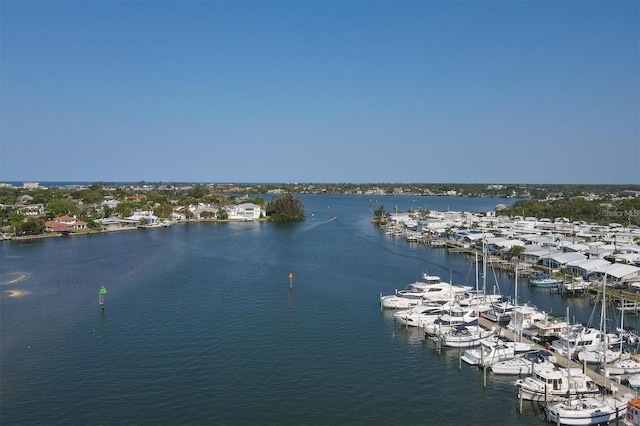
(476, 273)
(515, 294)
(484, 266)
(603, 328)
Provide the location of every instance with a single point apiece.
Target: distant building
(64, 224)
(246, 211)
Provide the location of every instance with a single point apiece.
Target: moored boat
(420, 315)
(500, 312)
(633, 413)
(599, 355)
(431, 289)
(545, 281)
(465, 336)
(493, 350)
(523, 364)
(455, 316)
(576, 284)
(624, 366)
(550, 383)
(577, 338)
(588, 410)
(634, 380)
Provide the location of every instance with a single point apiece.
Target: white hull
(397, 302)
(549, 384)
(634, 381)
(587, 411)
(626, 366)
(514, 367)
(469, 337)
(524, 364)
(493, 351)
(419, 316)
(598, 356)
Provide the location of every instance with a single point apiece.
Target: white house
(617, 272)
(587, 268)
(146, 217)
(245, 212)
(563, 259)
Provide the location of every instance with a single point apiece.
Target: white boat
(493, 350)
(523, 317)
(465, 336)
(624, 366)
(545, 280)
(546, 329)
(500, 312)
(550, 383)
(598, 355)
(420, 315)
(481, 302)
(602, 353)
(455, 316)
(588, 411)
(634, 380)
(577, 338)
(633, 413)
(431, 289)
(523, 364)
(577, 284)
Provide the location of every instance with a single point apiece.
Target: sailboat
(591, 410)
(463, 335)
(545, 280)
(601, 353)
(588, 411)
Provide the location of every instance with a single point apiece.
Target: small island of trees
(286, 209)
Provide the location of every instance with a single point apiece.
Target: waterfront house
(114, 223)
(205, 213)
(587, 268)
(71, 222)
(535, 254)
(432, 225)
(177, 217)
(53, 226)
(145, 217)
(562, 260)
(498, 243)
(245, 211)
(618, 272)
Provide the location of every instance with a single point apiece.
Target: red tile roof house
(64, 224)
(53, 226)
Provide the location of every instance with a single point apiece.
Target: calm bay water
(201, 327)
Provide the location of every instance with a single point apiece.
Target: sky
(320, 91)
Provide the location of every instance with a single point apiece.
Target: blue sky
(326, 91)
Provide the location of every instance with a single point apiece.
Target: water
(201, 327)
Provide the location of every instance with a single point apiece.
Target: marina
(181, 341)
